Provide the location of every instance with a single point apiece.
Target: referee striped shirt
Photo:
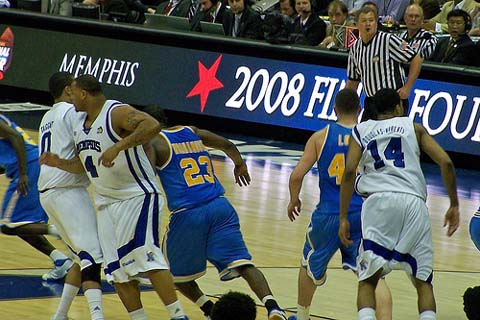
(378, 63)
(423, 42)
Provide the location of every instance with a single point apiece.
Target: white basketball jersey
(130, 176)
(390, 159)
(56, 135)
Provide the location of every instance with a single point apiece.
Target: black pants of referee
(370, 112)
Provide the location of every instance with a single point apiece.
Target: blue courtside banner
(257, 90)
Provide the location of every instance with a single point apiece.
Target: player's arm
(413, 73)
(447, 169)
(18, 144)
(352, 84)
(136, 128)
(212, 140)
(346, 189)
(310, 156)
(73, 165)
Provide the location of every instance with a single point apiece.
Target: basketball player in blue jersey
(328, 148)
(108, 138)
(22, 215)
(475, 228)
(396, 228)
(203, 226)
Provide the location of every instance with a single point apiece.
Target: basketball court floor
(275, 244)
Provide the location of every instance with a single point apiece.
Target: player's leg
(366, 296)
(383, 301)
(192, 291)
(73, 281)
(426, 300)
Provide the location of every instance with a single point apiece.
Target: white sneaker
(59, 271)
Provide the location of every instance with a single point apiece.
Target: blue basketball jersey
(188, 178)
(8, 156)
(331, 165)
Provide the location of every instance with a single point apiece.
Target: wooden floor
(275, 244)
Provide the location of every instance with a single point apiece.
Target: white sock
(428, 315)
(68, 294)
(52, 230)
(366, 314)
(94, 298)
(303, 313)
(267, 297)
(138, 314)
(57, 255)
(175, 310)
(201, 301)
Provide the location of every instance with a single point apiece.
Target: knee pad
(91, 273)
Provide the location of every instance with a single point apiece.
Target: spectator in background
(134, 10)
(287, 8)
(420, 40)
(57, 7)
(430, 7)
(307, 29)
(438, 24)
(475, 14)
(234, 306)
(242, 21)
(391, 11)
(321, 6)
(459, 47)
(337, 14)
(209, 11)
(177, 8)
(353, 5)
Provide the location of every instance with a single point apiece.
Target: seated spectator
(353, 6)
(471, 303)
(475, 14)
(430, 7)
(307, 29)
(420, 40)
(321, 6)
(234, 306)
(287, 8)
(209, 11)
(459, 47)
(438, 24)
(242, 21)
(58, 7)
(391, 12)
(176, 8)
(134, 10)
(337, 15)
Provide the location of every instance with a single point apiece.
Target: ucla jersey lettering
(8, 156)
(188, 178)
(331, 165)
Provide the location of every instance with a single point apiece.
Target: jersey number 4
(393, 151)
(192, 170)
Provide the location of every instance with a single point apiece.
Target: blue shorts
(210, 231)
(18, 210)
(475, 229)
(322, 242)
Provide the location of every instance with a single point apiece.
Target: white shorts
(72, 212)
(129, 237)
(396, 234)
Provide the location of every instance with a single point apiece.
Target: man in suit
(209, 11)
(459, 47)
(242, 21)
(308, 29)
(438, 24)
(177, 8)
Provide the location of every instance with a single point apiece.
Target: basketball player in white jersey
(59, 190)
(396, 230)
(109, 140)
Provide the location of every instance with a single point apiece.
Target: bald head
(413, 18)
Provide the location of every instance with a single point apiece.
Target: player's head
(471, 303)
(347, 102)
(59, 83)
(83, 88)
(387, 101)
(157, 112)
(234, 305)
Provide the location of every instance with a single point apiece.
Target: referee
(376, 60)
(420, 40)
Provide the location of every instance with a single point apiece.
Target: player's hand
(452, 219)
(22, 186)
(344, 232)
(293, 209)
(242, 178)
(106, 159)
(49, 159)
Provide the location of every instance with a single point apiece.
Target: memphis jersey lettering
(131, 175)
(331, 165)
(390, 159)
(8, 156)
(187, 178)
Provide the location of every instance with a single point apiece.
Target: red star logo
(207, 82)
